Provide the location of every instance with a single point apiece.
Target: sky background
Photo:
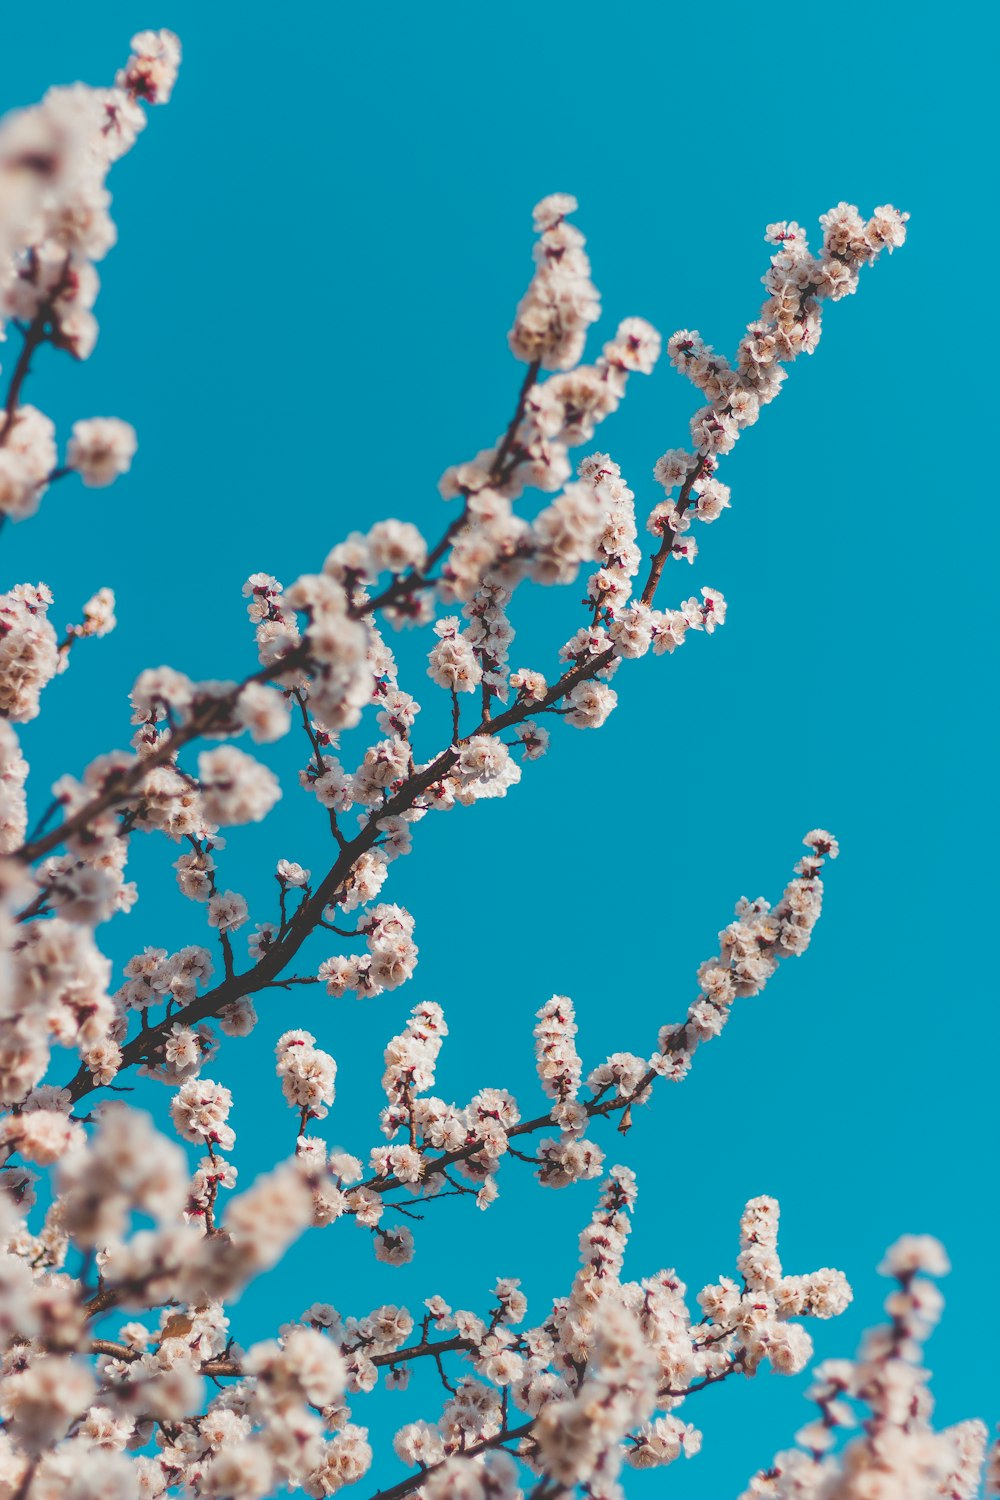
(322, 242)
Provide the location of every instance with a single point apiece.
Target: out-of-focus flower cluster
(55, 225)
(884, 1396)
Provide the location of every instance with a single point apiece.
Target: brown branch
(113, 1350)
(22, 1490)
(667, 542)
(271, 963)
(120, 783)
(680, 1041)
(515, 1434)
(406, 1486)
(499, 472)
(222, 1368)
(319, 763)
(422, 1351)
(418, 579)
(34, 337)
(702, 1385)
(41, 330)
(503, 452)
(307, 725)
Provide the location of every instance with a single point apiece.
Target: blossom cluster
(55, 226)
(598, 1381)
(884, 1395)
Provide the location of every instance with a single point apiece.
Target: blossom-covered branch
(340, 662)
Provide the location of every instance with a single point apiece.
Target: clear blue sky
(322, 240)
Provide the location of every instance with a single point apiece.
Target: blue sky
(322, 241)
